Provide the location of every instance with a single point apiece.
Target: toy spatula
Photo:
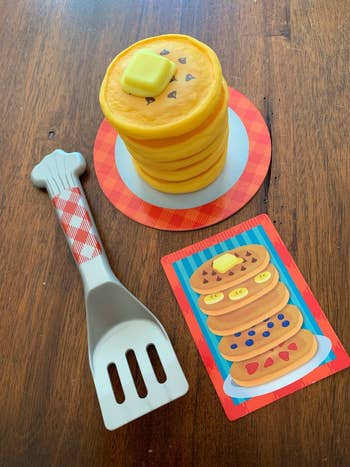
(116, 321)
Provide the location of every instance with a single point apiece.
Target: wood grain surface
(291, 58)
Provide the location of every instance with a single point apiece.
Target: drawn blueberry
(234, 346)
(182, 60)
(164, 52)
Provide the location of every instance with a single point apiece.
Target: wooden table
(291, 58)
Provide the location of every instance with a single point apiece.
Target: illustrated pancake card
(258, 328)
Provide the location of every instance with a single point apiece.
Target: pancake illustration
(247, 305)
(250, 315)
(263, 336)
(233, 298)
(229, 269)
(276, 362)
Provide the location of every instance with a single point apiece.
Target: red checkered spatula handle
(58, 173)
(72, 211)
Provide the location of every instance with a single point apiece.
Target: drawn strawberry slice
(268, 362)
(251, 367)
(284, 356)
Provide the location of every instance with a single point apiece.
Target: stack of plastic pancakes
(248, 306)
(178, 139)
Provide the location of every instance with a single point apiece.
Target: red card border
(232, 411)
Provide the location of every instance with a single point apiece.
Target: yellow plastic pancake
(187, 186)
(184, 104)
(182, 163)
(188, 143)
(185, 173)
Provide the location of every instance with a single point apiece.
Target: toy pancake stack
(167, 98)
(248, 305)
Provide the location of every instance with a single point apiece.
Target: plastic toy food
(167, 98)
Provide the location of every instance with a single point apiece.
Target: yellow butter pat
(147, 74)
(225, 262)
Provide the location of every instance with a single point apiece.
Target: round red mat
(193, 218)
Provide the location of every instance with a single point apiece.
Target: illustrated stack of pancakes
(248, 306)
(178, 138)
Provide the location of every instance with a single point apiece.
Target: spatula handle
(58, 172)
(73, 214)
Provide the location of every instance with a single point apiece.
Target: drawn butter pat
(225, 262)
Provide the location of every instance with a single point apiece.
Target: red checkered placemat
(193, 218)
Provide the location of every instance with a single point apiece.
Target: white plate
(233, 390)
(237, 157)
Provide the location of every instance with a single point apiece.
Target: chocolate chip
(149, 100)
(172, 95)
(243, 268)
(164, 52)
(205, 281)
(254, 260)
(231, 273)
(236, 254)
(182, 60)
(213, 273)
(218, 278)
(248, 254)
(244, 260)
(204, 273)
(188, 77)
(172, 79)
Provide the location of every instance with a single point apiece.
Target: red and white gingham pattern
(194, 218)
(77, 225)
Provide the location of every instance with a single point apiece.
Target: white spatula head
(135, 335)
